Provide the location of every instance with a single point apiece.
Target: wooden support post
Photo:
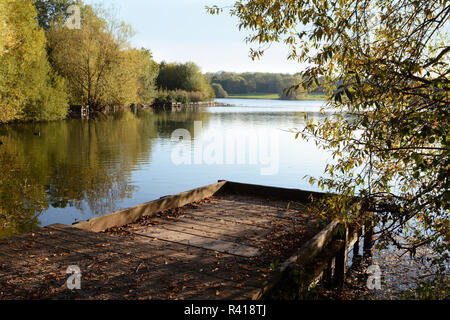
(357, 258)
(341, 262)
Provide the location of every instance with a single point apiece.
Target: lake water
(75, 170)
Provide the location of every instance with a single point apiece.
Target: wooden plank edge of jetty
(279, 193)
(313, 251)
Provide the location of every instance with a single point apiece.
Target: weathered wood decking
(216, 242)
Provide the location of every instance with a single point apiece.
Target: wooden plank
(191, 285)
(202, 262)
(322, 267)
(368, 239)
(251, 207)
(311, 249)
(126, 216)
(173, 247)
(205, 232)
(201, 242)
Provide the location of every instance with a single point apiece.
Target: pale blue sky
(181, 30)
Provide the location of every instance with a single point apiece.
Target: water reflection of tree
(22, 199)
(82, 164)
(99, 188)
(71, 163)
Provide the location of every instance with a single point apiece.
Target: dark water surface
(75, 169)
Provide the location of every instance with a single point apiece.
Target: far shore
(274, 96)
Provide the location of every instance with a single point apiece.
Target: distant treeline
(225, 83)
(52, 57)
(182, 82)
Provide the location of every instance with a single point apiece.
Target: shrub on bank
(181, 96)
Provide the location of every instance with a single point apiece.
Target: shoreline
(309, 98)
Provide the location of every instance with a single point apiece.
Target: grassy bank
(274, 96)
(270, 96)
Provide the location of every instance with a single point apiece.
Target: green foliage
(7, 38)
(436, 288)
(65, 165)
(148, 71)
(182, 96)
(267, 96)
(29, 89)
(22, 199)
(50, 101)
(219, 91)
(385, 65)
(51, 10)
(285, 85)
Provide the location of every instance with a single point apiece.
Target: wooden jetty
(178, 106)
(223, 241)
